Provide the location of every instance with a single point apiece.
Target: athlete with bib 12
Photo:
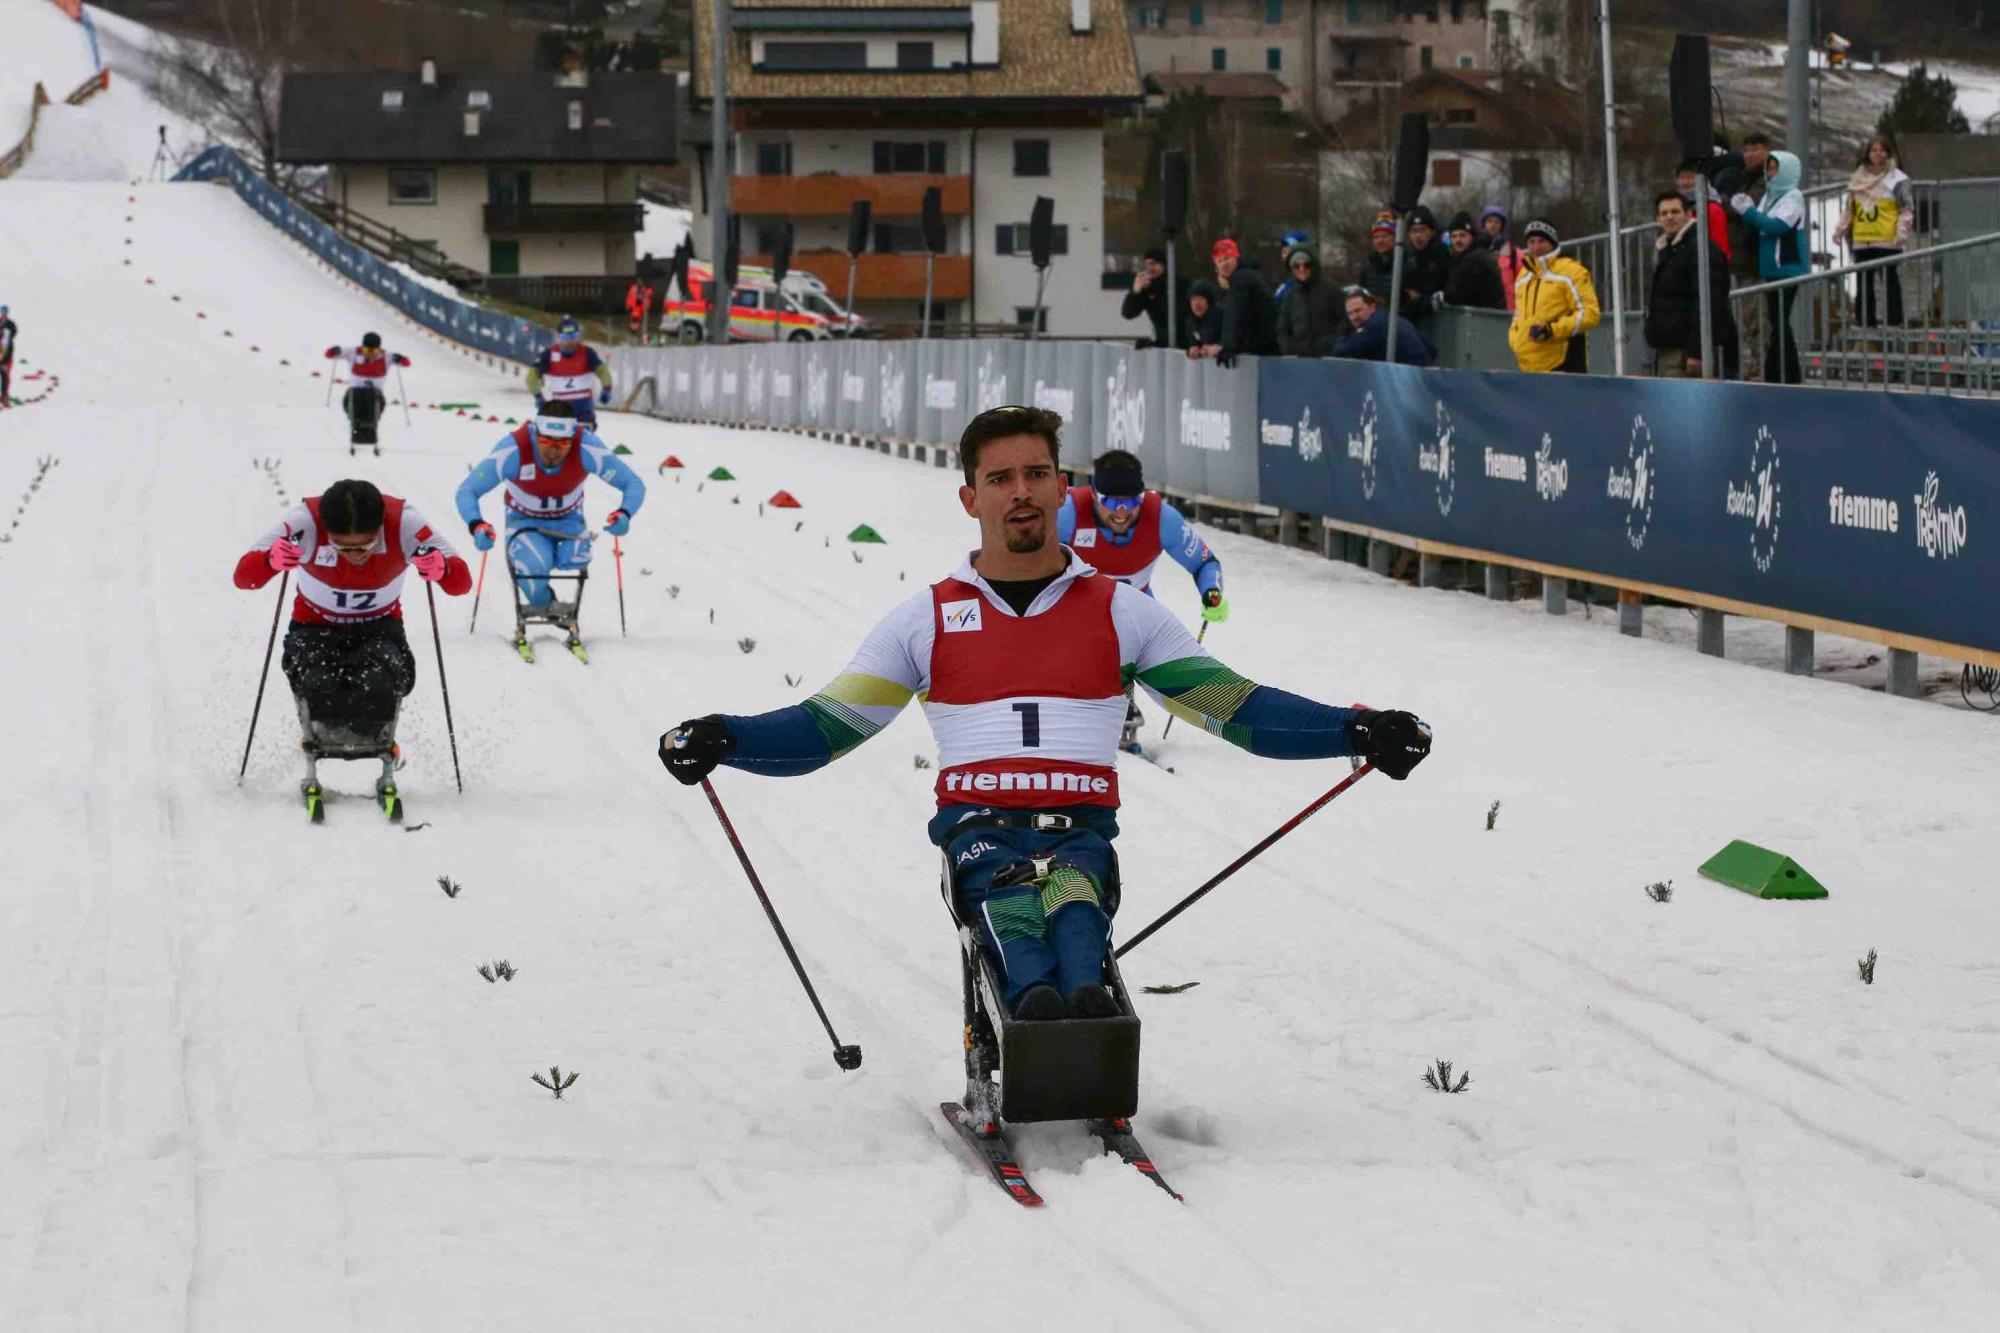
(1021, 657)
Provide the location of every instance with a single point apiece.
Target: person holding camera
(1555, 303)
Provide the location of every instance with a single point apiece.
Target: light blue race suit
(538, 546)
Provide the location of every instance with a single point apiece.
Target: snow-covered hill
(255, 1081)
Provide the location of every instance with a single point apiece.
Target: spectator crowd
(1756, 234)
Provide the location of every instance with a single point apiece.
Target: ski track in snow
(260, 1085)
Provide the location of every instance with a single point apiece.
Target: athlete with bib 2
(570, 373)
(1021, 658)
(1118, 527)
(544, 464)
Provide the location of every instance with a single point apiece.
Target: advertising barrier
(488, 331)
(1877, 511)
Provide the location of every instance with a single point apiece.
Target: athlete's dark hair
(371, 340)
(557, 407)
(1001, 422)
(350, 507)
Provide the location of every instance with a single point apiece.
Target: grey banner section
(1191, 423)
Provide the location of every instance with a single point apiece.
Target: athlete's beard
(1027, 541)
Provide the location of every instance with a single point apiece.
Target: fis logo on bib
(1084, 537)
(961, 617)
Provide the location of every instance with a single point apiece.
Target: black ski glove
(693, 749)
(1392, 740)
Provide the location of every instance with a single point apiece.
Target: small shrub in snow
(1438, 1077)
(747, 645)
(673, 590)
(1866, 966)
(498, 970)
(1492, 814)
(922, 762)
(1662, 892)
(1170, 990)
(557, 1081)
(450, 886)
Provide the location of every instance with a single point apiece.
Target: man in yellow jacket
(1554, 304)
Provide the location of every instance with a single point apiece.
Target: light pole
(719, 298)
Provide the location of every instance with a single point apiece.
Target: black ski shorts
(370, 658)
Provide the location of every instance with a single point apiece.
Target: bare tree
(230, 85)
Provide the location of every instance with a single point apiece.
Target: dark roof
(853, 20)
(627, 119)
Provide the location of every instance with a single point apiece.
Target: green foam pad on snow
(864, 533)
(1761, 872)
(721, 474)
(620, 449)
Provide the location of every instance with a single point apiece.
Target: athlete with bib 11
(1021, 657)
(1118, 527)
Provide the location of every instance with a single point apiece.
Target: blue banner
(1870, 508)
(483, 330)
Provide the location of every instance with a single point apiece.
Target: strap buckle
(1045, 822)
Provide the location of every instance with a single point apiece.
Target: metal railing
(576, 294)
(550, 219)
(1889, 323)
(381, 240)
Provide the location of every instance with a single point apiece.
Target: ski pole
(329, 390)
(618, 561)
(1200, 634)
(430, 591)
(1246, 858)
(264, 676)
(404, 394)
(847, 1057)
(478, 592)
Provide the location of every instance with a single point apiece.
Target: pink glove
(430, 566)
(284, 554)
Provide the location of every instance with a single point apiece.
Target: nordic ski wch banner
(1879, 509)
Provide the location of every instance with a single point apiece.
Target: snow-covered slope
(37, 42)
(255, 1081)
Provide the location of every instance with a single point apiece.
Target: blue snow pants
(533, 552)
(1036, 934)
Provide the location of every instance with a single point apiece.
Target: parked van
(806, 312)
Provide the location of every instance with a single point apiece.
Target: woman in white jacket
(1877, 222)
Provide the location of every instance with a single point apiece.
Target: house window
(1027, 314)
(893, 158)
(1218, 59)
(769, 236)
(774, 159)
(1465, 60)
(914, 55)
(1525, 173)
(413, 185)
(1153, 16)
(1503, 27)
(507, 185)
(1194, 14)
(503, 258)
(1274, 59)
(1460, 115)
(899, 238)
(1423, 57)
(1458, 11)
(1011, 238)
(1031, 157)
(1274, 11)
(794, 56)
(1447, 171)
(1354, 11)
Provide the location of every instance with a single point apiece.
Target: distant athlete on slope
(1119, 528)
(346, 657)
(570, 373)
(544, 464)
(9, 332)
(367, 373)
(1020, 658)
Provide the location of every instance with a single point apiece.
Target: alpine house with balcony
(993, 101)
(517, 176)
